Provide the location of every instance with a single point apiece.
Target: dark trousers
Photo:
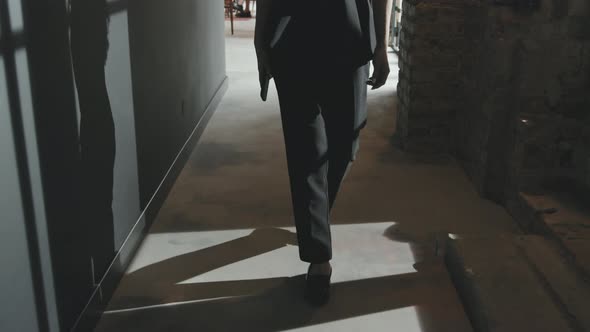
(320, 117)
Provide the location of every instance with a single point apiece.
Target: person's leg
(344, 112)
(306, 147)
(338, 115)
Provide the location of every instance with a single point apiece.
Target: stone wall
(554, 94)
(535, 90)
(506, 89)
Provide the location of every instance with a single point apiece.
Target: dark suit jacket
(323, 34)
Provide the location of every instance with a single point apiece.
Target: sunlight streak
(163, 305)
(360, 252)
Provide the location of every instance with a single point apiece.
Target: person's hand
(264, 68)
(380, 68)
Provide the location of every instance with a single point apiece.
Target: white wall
(17, 303)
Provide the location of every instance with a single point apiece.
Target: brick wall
(432, 45)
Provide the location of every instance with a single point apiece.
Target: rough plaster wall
(542, 116)
(504, 89)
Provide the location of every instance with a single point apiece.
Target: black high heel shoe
(317, 288)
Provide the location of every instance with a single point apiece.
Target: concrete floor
(222, 255)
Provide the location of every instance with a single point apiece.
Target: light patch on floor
(361, 251)
(253, 280)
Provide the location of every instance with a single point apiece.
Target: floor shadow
(274, 309)
(153, 298)
(428, 250)
(161, 280)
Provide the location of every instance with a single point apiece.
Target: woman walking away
(318, 53)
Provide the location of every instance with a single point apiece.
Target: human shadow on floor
(162, 279)
(277, 308)
(151, 298)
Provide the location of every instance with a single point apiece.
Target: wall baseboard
(105, 289)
